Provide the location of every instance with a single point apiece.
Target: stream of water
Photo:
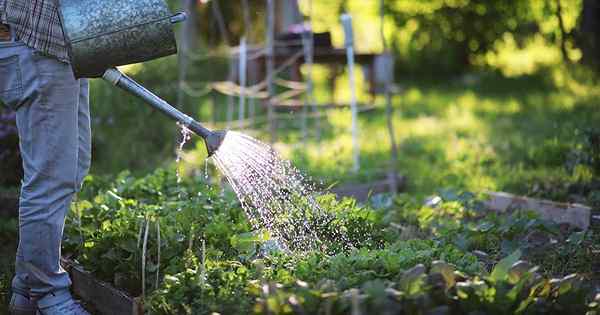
(272, 192)
(274, 195)
(186, 135)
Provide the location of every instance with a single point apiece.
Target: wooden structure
(104, 298)
(571, 213)
(362, 192)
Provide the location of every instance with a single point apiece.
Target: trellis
(237, 84)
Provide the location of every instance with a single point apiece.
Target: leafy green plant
(209, 259)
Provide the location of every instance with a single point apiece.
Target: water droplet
(273, 194)
(185, 136)
(206, 170)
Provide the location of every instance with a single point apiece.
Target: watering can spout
(212, 139)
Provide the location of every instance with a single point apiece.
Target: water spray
(103, 34)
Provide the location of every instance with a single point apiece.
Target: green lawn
(511, 134)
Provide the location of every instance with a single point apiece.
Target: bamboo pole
(252, 72)
(270, 67)
(158, 243)
(216, 10)
(310, 79)
(144, 248)
(393, 176)
(308, 45)
(242, 76)
(306, 48)
(230, 100)
(349, 43)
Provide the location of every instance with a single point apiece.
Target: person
(53, 122)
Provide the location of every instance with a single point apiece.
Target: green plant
(210, 259)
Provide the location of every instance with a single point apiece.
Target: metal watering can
(103, 34)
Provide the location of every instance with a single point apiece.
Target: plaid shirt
(37, 24)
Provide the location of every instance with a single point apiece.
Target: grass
(511, 134)
(477, 132)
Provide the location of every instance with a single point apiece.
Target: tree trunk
(563, 32)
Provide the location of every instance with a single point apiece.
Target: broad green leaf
(412, 279)
(446, 270)
(500, 271)
(519, 270)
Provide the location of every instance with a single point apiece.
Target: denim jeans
(53, 121)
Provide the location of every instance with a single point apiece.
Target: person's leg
(15, 85)
(49, 140)
(85, 132)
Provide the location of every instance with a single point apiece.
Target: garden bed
(362, 192)
(403, 257)
(102, 296)
(571, 213)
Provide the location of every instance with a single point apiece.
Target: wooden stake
(252, 70)
(270, 67)
(349, 35)
(220, 21)
(230, 100)
(242, 76)
(144, 248)
(393, 174)
(157, 253)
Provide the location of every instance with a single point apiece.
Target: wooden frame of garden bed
(572, 213)
(103, 297)
(362, 192)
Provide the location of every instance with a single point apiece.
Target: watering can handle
(179, 17)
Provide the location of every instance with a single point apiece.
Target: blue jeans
(53, 120)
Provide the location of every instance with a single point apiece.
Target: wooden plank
(361, 192)
(574, 214)
(106, 299)
(298, 105)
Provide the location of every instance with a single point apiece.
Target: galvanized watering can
(103, 34)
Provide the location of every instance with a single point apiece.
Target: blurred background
(486, 94)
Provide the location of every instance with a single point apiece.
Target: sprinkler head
(214, 140)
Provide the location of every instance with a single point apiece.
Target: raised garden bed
(102, 296)
(402, 255)
(362, 192)
(571, 213)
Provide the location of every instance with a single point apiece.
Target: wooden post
(393, 173)
(230, 100)
(242, 76)
(216, 9)
(349, 42)
(308, 43)
(307, 57)
(251, 69)
(270, 68)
